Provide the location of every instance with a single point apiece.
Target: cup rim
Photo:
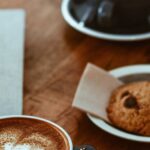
(99, 34)
(43, 120)
(120, 72)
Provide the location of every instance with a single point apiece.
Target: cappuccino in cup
(32, 133)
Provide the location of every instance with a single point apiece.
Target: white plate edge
(110, 129)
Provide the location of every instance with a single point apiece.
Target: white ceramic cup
(46, 121)
(71, 147)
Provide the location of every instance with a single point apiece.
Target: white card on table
(12, 28)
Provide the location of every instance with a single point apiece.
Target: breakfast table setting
(60, 70)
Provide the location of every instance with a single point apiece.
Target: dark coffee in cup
(31, 134)
(128, 16)
(116, 16)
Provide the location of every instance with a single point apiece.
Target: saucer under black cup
(113, 16)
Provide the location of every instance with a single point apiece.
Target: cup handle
(105, 11)
(84, 147)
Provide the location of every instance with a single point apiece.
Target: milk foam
(10, 140)
(28, 134)
(12, 146)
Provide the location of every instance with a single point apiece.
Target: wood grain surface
(55, 57)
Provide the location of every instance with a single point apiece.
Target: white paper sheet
(94, 91)
(12, 27)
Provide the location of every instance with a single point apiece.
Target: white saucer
(127, 72)
(115, 37)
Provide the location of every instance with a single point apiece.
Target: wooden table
(55, 57)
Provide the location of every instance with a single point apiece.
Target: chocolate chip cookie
(129, 108)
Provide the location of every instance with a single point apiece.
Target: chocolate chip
(126, 93)
(130, 102)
